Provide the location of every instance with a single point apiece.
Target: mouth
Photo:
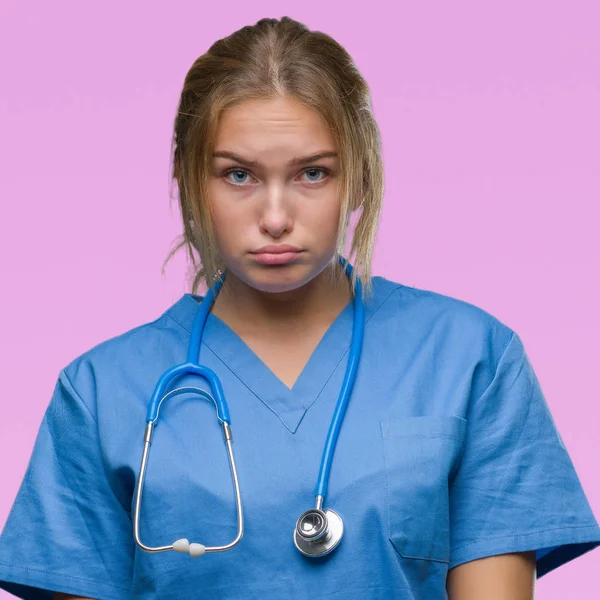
(276, 254)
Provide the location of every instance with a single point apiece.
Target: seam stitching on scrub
(89, 410)
(75, 577)
(79, 510)
(522, 535)
(387, 467)
(512, 454)
(70, 488)
(104, 467)
(203, 343)
(387, 488)
(487, 387)
(243, 382)
(426, 435)
(279, 416)
(347, 349)
(180, 324)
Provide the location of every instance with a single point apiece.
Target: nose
(276, 213)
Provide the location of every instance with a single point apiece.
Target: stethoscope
(318, 531)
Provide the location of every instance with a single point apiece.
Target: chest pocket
(421, 454)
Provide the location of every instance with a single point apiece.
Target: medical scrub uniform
(448, 453)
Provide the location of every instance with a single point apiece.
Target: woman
(449, 474)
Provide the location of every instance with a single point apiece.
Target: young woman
(443, 474)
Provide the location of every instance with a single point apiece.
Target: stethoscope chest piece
(318, 532)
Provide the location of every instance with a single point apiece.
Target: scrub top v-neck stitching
(342, 357)
(221, 360)
(289, 405)
(239, 378)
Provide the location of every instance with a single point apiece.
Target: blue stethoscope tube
(345, 391)
(317, 532)
(191, 366)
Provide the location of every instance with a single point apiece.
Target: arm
(502, 577)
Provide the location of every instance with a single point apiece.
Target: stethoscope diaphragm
(318, 532)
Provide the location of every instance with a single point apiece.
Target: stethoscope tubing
(345, 393)
(192, 366)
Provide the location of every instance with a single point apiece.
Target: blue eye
(239, 174)
(317, 171)
(236, 171)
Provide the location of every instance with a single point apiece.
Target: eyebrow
(295, 161)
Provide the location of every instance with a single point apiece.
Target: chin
(278, 279)
(276, 283)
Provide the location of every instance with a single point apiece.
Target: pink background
(491, 128)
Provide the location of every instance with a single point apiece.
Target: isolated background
(490, 124)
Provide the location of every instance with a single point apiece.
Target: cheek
(229, 229)
(325, 218)
(228, 217)
(222, 227)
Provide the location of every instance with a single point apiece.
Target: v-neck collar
(289, 405)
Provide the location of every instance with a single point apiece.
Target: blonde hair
(269, 59)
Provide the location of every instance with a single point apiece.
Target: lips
(276, 254)
(276, 249)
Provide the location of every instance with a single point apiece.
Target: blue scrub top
(448, 453)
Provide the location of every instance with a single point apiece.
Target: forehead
(277, 124)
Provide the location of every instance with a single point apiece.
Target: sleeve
(66, 530)
(516, 488)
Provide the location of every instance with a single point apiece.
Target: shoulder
(427, 316)
(133, 357)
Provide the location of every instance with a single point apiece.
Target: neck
(244, 307)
